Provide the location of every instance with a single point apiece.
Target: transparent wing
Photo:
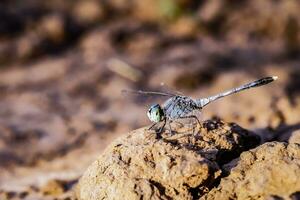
(148, 93)
(149, 97)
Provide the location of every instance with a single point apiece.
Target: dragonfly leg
(191, 116)
(194, 117)
(158, 132)
(163, 126)
(169, 124)
(181, 124)
(152, 126)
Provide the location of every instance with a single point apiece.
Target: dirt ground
(63, 65)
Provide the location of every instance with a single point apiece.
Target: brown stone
(53, 187)
(181, 166)
(271, 170)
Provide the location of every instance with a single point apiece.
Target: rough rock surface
(141, 165)
(295, 137)
(270, 171)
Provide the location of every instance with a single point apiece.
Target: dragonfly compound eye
(155, 113)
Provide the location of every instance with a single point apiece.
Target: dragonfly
(179, 106)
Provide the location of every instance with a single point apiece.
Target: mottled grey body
(179, 107)
(182, 106)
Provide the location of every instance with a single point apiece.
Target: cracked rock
(270, 171)
(185, 165)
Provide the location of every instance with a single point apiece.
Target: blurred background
(63, 65)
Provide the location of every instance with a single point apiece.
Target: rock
(143, 165)
(271, 171)
(88, 12)
(183, 27)
(210, 10)
(53, 187)
(53, 28)
(295, 137)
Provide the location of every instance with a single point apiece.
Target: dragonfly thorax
(156, 113)
(179, 107)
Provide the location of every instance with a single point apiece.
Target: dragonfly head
(156, 113)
